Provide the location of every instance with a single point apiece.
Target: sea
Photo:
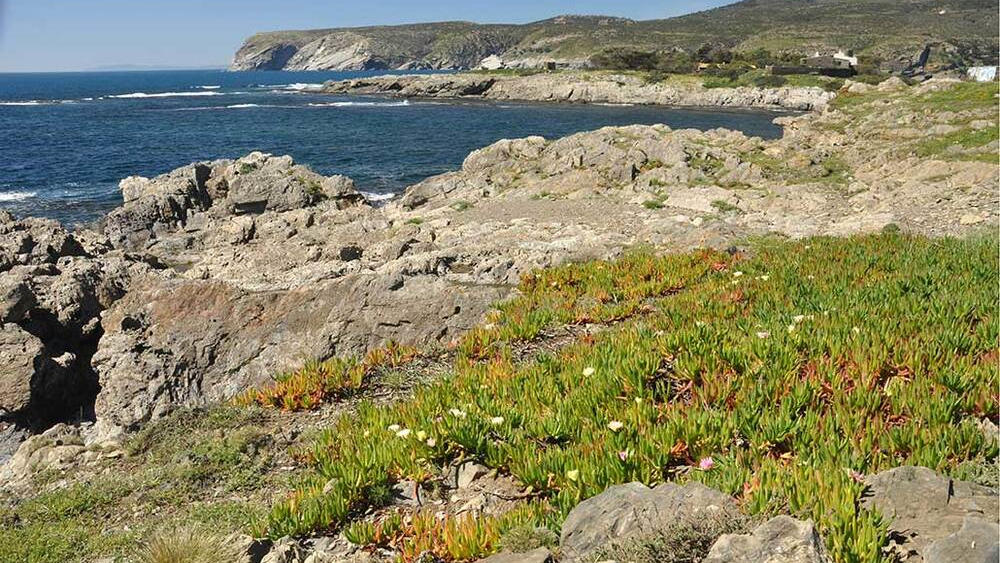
(67, 139)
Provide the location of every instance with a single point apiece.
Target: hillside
(958, 31)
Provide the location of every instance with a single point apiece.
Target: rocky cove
(215, 278)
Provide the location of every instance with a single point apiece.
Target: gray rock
(924, 507)
(975, 542)
(468, 473)
(23, 357)
(780, 540)
(633, 510)
(540, 555)
(285, 550)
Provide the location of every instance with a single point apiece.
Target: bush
(188, 545)
(770, 81)
(522, 539)
(684, 541)
(621, 58)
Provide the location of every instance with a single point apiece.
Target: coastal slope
(898, 34)
(509, 344)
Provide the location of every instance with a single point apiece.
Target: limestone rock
(633, 510)
(975, 542)
(285, 550)
(925, 508)
(23, 356)
(779, 540)
(570, 87)
(540, 555)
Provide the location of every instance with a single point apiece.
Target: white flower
(791, 329)
(764, 278)
(737, 274)
(587, 372)
(431, 442)
(763, 334)
(403, 433)
(616, 425)
(496, 420)
(457, 413)
(798, 318)
(394, 428)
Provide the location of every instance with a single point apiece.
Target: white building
(845, 57)
(983, 73)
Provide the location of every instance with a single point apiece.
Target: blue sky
(48, 35)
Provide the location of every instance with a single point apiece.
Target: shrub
(622, 58)
(770, 81)
(683, 541)
(522, 539)
(188, 545)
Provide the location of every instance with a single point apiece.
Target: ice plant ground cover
(780, 375)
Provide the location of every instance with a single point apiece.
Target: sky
(58, 35)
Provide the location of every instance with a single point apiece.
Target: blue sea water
(66, 139)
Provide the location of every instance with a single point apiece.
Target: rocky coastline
(214, 278)
(584, 87)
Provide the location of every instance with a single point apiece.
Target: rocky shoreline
(217, 276)
(214, 278)
(584, 87)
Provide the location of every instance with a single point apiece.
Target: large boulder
(933, 517)
(779, 540)
(178, 342)
(634, 510)
(23, 357)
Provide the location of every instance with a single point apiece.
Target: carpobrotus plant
(780, 377)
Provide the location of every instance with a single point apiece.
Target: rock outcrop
(634, 511)
(779, 540)
(584, 88)
(52, 291)
(935, 519)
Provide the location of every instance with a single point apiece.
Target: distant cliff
(898, 33)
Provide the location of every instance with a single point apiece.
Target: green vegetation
(969, 108)
(684, 541)
(725, 207)
(796, 369)
(192, 471)
(188, 545)
(319, 382)
(760, 32)
(966, 138)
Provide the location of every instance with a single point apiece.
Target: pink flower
(623, 455)
(858, 477)
(706, 464)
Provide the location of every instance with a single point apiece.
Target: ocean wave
(371, 196)
(16, 196)
(209, 87)
(296, 87)
(139, 95)
(404, 103)
(243, 106)
(27, 103)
